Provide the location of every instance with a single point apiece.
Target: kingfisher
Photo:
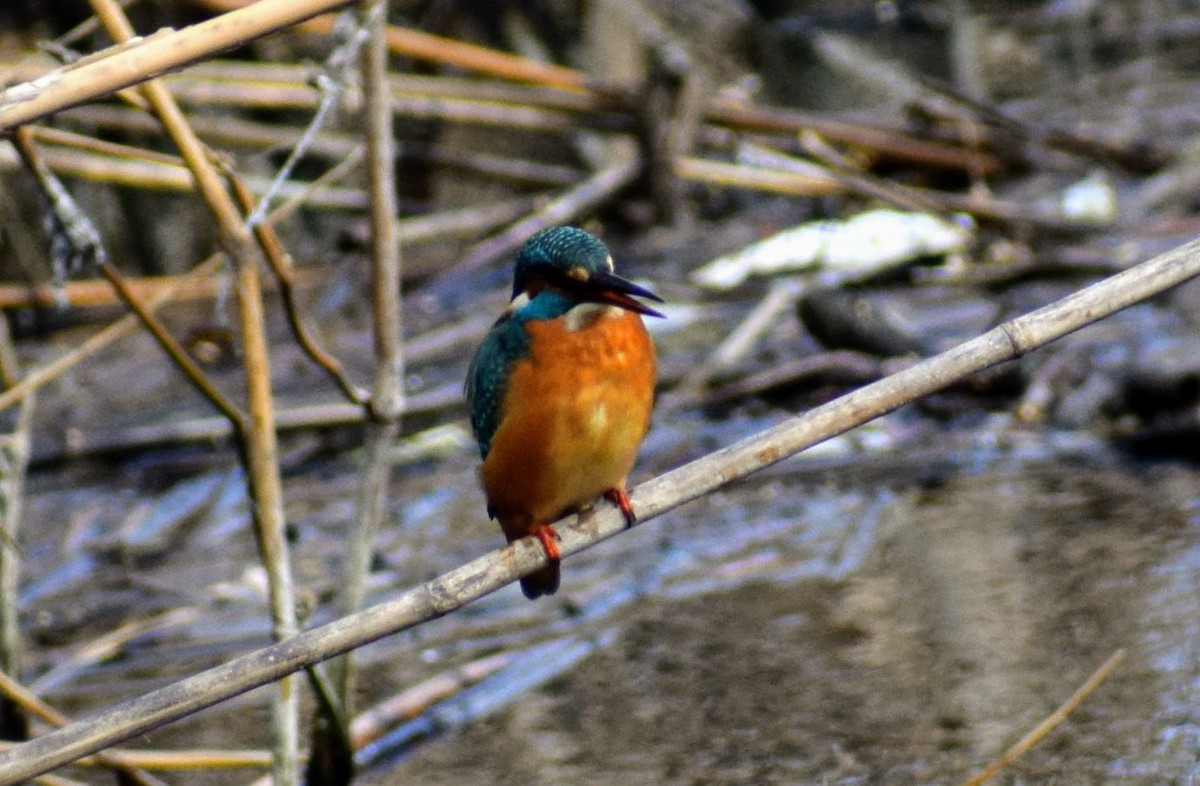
(560, 391)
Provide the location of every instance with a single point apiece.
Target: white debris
(858, 247)
(1092, 200)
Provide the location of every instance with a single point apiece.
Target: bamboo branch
(488, 573)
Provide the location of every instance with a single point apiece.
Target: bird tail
(543, 581)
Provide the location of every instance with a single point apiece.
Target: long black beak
(610, 289)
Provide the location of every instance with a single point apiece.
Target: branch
(492, 571)
(132, 62)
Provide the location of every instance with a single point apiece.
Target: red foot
(549, 540)
(619, 498)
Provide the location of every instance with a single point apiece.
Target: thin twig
(281, 265)
(126, 325)
(488, 573)
(193, 759)
(1050, 722)
(568, 206)
(423, 46)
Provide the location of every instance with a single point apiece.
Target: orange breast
(574, 413)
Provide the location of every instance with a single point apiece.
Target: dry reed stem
(107, 71)
(777, 181)
(1050, 722)
(257, 432)
(723, 111)
(566, 207)
(193, 759)
(34, 706)
(133, 62)
(769, 312)
(285, 276)
(325, 414)
(173, 348)
(14, 463)
(55, 780)
(423, 46)
(82, 142)
(126, 325)
(23, 139)
(375, 721)
(488, 573)
(881, 141)
(172, 177)
(107, 646)
(850, 173)
(98, 292)
(387, 396)
(169, 289)
(178, 354)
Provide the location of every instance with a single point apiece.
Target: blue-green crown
(561, 249)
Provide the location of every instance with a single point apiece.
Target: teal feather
(505, 344)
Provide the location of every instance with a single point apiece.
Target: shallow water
(865, 614)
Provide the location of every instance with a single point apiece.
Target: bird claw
(619, 498)
(549, 538)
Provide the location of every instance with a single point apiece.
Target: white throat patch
(517, 303)
(586, 314)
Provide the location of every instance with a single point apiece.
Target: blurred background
(897, 605)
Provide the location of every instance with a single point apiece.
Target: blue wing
(504, 345)
(487, 378)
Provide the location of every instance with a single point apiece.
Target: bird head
(576, 263)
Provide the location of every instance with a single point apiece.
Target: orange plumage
(575, 412)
